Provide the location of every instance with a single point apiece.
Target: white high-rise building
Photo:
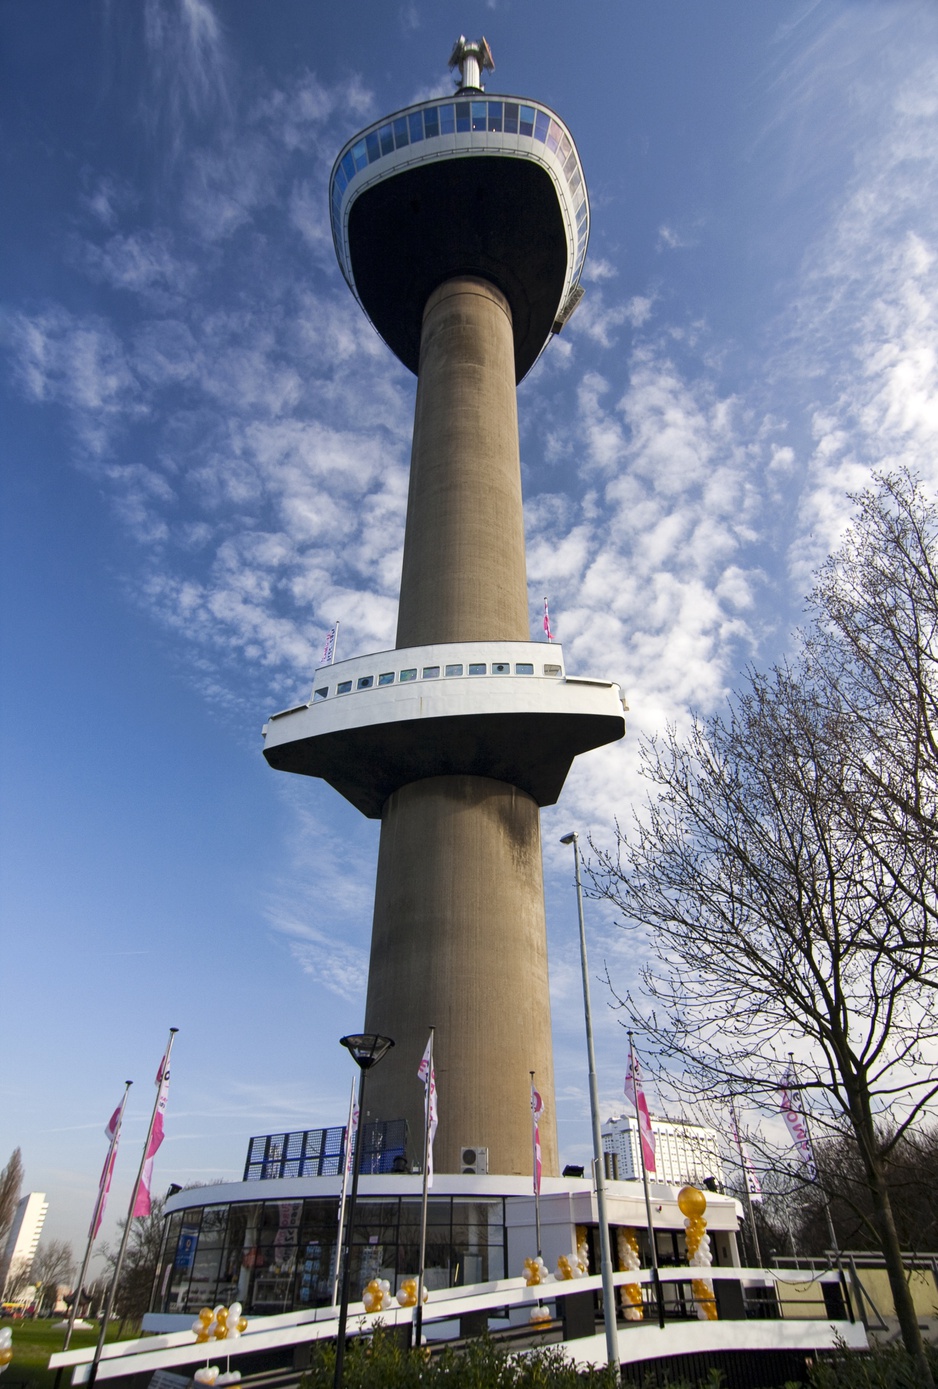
(684, 1152)
(22, 1241)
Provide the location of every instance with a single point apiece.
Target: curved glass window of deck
(277, 1256)
(517, 213)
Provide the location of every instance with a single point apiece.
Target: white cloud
(671, 240)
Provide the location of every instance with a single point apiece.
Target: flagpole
(418, 1315)
(112, 1291)
(599, 1172)
(342, 1199)
(807, 1128)
(652, 1245)
(742, 1163)
(335, 641)
(98, 1205)
(537, 1185)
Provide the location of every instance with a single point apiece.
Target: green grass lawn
(34, 1342)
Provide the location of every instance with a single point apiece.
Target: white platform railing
(164, 1351)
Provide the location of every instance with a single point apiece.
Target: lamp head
(367, 1048)
(569, 838)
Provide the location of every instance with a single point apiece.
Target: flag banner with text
(427, 1074)
(142, 1203)
(797, 1127)
(328, 650)
(537, 1104)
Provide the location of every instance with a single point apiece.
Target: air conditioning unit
(474, 1161)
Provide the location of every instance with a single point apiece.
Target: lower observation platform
(503, 710)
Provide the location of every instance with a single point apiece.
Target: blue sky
(205, 457)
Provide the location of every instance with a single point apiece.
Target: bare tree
(872, 653)
(11, 1179)
(785, 871)
(53, 1265)
(141, 1259)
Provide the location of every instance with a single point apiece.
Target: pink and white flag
(797, 1126)
(142, 1202)
(550, 635)
(635, 1093)
(427, 1074)
(112, 1133)
(537, 1104)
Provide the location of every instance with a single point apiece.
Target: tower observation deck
(461, 227)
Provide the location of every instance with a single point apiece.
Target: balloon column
(407, 1293)
(6, 1347)
(579, 1266)
(627, 1241)
(692, 1204)
(377, 1295)
(536, 1273)
(218, 1324)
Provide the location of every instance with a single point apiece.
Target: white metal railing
(146, 1354)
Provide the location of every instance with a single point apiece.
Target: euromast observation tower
(461, 226)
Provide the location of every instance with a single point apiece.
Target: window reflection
(276, 1255)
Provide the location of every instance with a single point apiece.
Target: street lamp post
(605, 1253)
(367, 1049)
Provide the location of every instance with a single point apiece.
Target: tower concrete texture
(461, 227)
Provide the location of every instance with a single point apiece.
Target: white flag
(427, 1074)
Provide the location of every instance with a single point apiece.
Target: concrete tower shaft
(459, 942)
(459, 936)
(463, 575)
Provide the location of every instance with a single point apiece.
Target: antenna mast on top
(472, 58)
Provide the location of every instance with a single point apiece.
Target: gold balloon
(6, 1356)
(206, 1315)
(242, 1323)
(691, 1201)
